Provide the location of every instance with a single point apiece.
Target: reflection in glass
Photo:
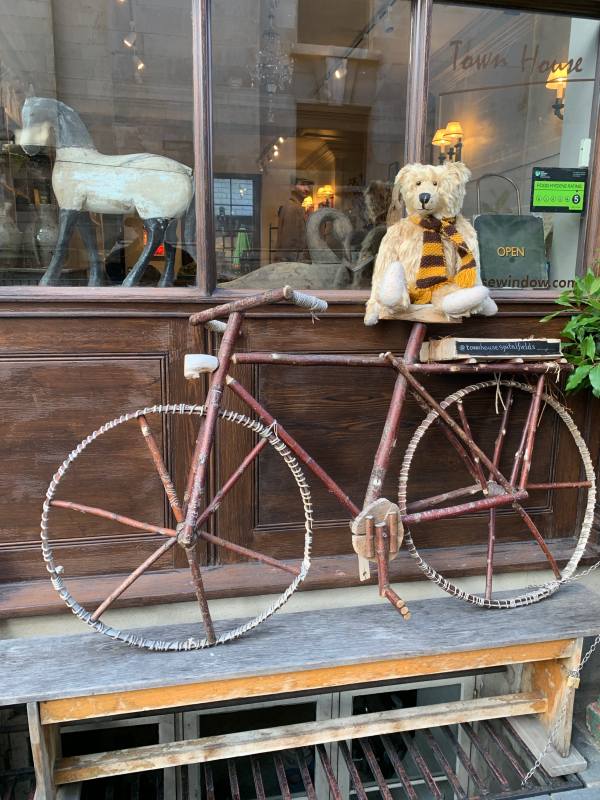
(519, 86)
(320, 137)
(96, 147)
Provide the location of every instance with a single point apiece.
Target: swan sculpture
(327, 270)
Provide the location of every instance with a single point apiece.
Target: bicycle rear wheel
(482, 485)
(221, 633)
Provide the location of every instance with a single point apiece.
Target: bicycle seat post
(206, 435)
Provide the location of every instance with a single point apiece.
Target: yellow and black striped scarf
(433, 271)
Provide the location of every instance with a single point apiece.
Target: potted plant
(582, 332)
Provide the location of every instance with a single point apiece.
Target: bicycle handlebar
(302, 300)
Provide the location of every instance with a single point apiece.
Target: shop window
(512, 94)
(96, 136)
(309, 103)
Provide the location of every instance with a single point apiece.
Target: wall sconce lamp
(131, 37)
(439, 140)
(557, 80)
(450, 137)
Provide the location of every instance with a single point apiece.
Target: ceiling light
(139, 64)
(129, 40)
(281, 140)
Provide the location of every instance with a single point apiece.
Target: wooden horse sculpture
(84, 181)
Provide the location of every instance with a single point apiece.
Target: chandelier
(274, 68)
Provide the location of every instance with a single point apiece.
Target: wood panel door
(63, 379)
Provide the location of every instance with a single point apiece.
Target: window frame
(415, 148)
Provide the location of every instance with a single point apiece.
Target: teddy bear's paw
(393, 291)
(464, 301)
(488, 308)
(371, 314)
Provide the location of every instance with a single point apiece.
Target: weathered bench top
(86, 665)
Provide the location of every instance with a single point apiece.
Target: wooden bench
(63, 679)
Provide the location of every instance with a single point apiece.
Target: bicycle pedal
(381, 512)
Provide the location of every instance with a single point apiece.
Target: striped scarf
(433, 271)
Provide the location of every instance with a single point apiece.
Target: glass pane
(309, 105)
(520, 86)
(96, 149)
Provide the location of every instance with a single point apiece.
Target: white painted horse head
(47, 121)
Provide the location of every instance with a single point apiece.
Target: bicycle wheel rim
(191, 643)
(544, 590)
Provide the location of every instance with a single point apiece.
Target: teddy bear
(431, 255)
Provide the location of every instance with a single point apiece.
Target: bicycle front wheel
(479, 500)
(217, 632)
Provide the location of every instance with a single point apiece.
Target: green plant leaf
(589, 347)
(594, 377)
(577, 377)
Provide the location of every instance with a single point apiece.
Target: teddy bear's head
(428, 189)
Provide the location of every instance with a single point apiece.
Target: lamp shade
(454, 130)
(325, 191)
(439, 138)
(557, 78)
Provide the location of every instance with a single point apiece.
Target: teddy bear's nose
(424, 198)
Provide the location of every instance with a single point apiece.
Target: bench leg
(551, 678)
(45, 747)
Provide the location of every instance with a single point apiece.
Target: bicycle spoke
(491, 501)
(419, 390)
(101, 512)
(133, 577)
(456, 444)
(161, 468)
(538, 537)
(245, 551)
(232, 480)
(498, 446)
(467, 429)
(531, 432)
(499, 443)
(435, 500)
(192, 558)
(521, 448)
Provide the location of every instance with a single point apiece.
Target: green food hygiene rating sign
(558, 189)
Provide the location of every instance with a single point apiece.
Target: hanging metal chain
(572, 682)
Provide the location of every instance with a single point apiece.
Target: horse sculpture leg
(97, 274)
(156, 233)
(67, 219)
(168, 275)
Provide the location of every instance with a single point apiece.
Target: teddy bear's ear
(402, 175)
(459, 170)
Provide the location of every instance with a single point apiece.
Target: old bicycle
(379, 525)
